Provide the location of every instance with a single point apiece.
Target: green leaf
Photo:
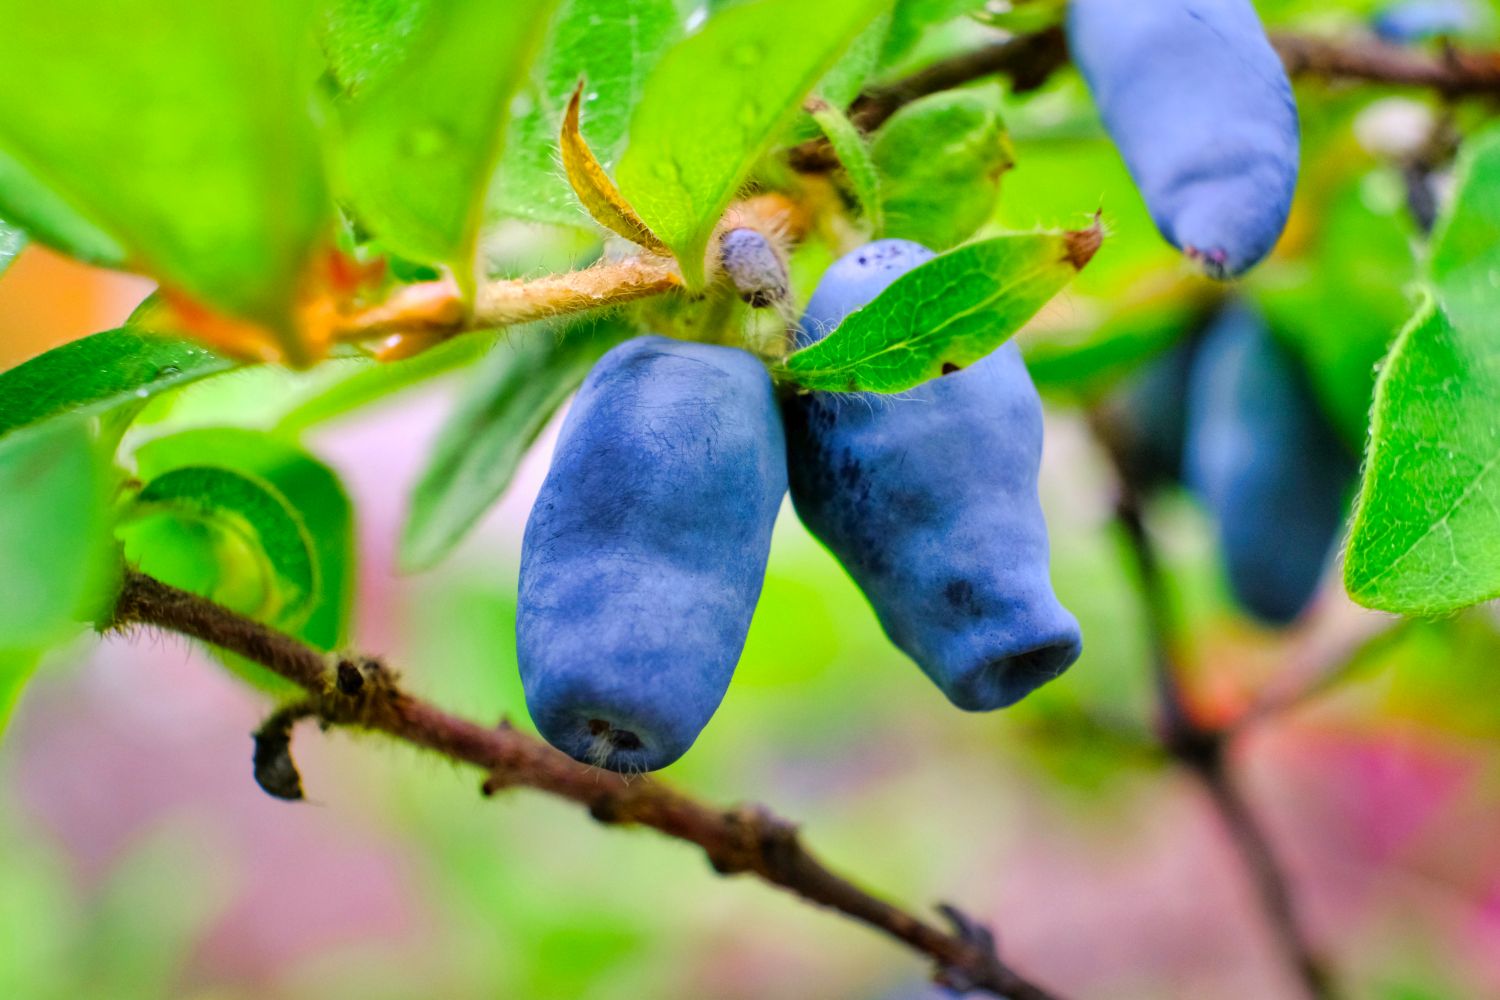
(521, 384)
(849, 146)
(15, 670)
(1465, 254)
(940, 161)
(369, 381)
(950, 312)
(12, 240)
(843, 83)
(256, 519)
(100, 373)
(1426, 536)
(364, 40)
(54, 543)
(715, 102)
(48, 219)
(308, 486)
(180, 132)
(421, 135)
(609, 44)
(910, 19)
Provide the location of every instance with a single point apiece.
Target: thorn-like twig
(748, 840)
(275, 771)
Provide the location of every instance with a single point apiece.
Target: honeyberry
(929, 499)
(1200, 107)
(1266, 464)
(644, 556)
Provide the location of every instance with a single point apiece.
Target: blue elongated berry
(1145, 419)
(644, 555)
(1266, 464)
(1416, 20)
(1200, 107)
(929, 499)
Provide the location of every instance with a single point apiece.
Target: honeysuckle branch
(1028, 61)
(364, 693)
(1451, 72)
(433, 310)
(417, 316)
(1203, 749)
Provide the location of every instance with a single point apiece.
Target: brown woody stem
(364, 692)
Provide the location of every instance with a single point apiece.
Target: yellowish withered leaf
(593, 187)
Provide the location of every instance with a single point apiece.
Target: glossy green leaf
(849, 146)
(53, 538)
(420, 137)
(252, 513)
(521, 384)
(1426, 536)
(715, 102)
(48, 219)
(611, 46)
(364, 40)
(940, 161)
(1465, 253)
(100, 373)
(944, 315)
(307, 485)
(180, 132)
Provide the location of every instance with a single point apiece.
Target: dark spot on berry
(960, 596)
